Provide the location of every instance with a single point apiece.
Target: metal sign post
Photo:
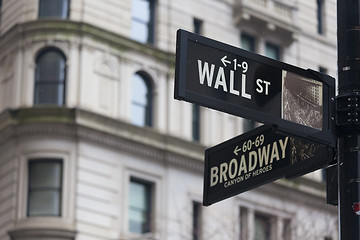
(348, 118)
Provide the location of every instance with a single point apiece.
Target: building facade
(93, 145)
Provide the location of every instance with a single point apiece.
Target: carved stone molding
(38, 233)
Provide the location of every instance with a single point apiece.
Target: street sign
(256, 158)
(235, 81)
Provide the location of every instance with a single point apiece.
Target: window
(262, 228)
(141, 100)
(248, 42)
(198, 26)
(142, 28)
(320, 16)
(196, 122)
(264, 225)
(50, 78)
(140, 211)
(196, 221)
(272, 51)
(323, 70)
(0, 14)
(45, 187)
(54, 8)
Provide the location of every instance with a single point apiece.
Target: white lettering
(274, 153)
(242, 165)
(267, 84)
(232, 90)
(264, 155)
(243, 87)
(223, 170)
(220, 79)
(260, 88)
(283, 146)
(252, 160)
(233, 166)
(214, 176)
(205, 72)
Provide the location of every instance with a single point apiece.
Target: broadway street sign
(256, 158)
(232, 80)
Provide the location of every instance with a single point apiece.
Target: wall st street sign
(235, 81)
(256, 158)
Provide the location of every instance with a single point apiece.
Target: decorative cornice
(81, 125)
(78, 124)
(67, 30)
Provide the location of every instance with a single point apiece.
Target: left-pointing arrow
(224, 61)
(236, 150)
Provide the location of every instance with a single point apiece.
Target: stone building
(93, 145)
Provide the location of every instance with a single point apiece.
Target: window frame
(148, 108)
(41, 6)
(247, 213)
(198, 25)
(149, 204)
(275, 47)
(197, 220)
(59, 190)
(267, 220)
(150, 25)
(320, 16)
(60, 83)
(251, 39)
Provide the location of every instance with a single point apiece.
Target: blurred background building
(94, 147)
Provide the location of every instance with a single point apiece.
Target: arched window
(141, 114)
(54, 8)
(50, 78)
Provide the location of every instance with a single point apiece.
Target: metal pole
(347, 118)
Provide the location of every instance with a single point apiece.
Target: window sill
(41, 233)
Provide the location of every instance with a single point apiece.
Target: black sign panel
(255, 158)
(232, 80)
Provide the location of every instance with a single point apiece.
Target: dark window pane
(50, 78)
(262, 228)
(45, 187)
(195, 122)
(139, 207)
(45, 174)
(44, 203)
(196, 218)
(53, 8)
(323, 70)
(272, 51)
(142, 28)
(141, 101)
(320, 16)
(248, 43)
(198, 26)
(47, 93)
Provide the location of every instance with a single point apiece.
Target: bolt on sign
(256, 158)
(235, 81)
